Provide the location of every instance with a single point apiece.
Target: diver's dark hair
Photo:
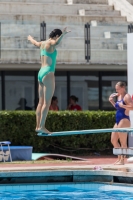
(121, 84)
(74, 98)
(55, 32)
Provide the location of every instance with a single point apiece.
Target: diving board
(83, 132)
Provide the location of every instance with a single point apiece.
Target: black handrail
(43, 31)
(0, 40)
(130, 28)
(87, 42)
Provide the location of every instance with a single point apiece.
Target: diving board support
(43, 156)
(83, 132)
(123, 151)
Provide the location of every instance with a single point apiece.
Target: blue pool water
(84, 191)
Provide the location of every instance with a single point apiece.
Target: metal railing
(130, 28)
(0, 40)
(43, 31)
(87, 42)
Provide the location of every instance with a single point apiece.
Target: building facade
(92, 81)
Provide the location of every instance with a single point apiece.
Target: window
(92, 89)
(84, 85)
(19, 91)
(61, 89)
(109, 79)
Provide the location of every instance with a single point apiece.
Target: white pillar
(130, 83)
(130, 68)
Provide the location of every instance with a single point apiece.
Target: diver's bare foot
(36, 129)
(121, 162)
(44, 130)
(116, 162)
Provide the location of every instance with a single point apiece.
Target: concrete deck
(58, 171)
(106, 162)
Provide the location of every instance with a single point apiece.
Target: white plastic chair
(5, 143)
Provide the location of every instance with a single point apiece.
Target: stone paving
(106, 163)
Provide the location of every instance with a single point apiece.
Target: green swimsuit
(47, 69)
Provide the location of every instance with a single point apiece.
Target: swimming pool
(69, 191)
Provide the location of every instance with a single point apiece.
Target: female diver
(123, 105)
(46, 77)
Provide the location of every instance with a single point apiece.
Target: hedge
(19, 128)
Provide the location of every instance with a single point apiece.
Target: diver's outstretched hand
(29, 37)
(65, 31)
